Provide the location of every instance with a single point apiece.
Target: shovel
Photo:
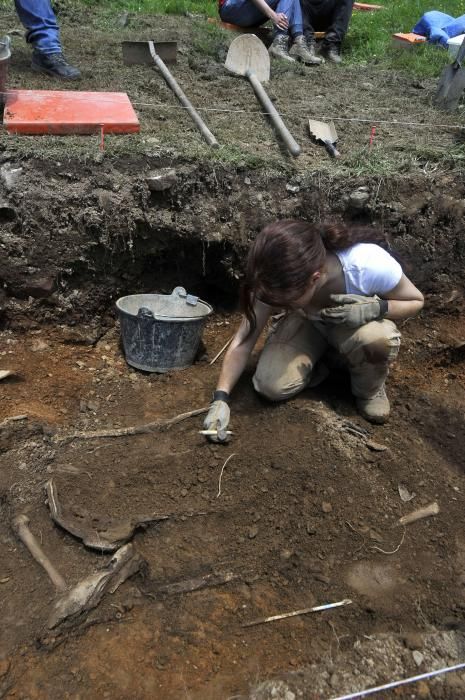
(143, 52)
(452, 82)
(326, 134)
(248, 56)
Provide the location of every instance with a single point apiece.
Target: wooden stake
(304, 611)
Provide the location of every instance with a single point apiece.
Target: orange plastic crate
(69, 112)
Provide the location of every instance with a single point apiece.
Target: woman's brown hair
(287, 253)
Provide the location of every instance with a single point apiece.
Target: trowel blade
(322, 131)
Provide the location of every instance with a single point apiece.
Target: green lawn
(369, 39)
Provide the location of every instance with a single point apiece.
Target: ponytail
(340, 236)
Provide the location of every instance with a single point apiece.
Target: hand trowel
(326, 134)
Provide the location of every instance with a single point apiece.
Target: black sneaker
(54, 64)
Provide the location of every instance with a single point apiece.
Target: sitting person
(286, 16)
(341, 293)
(331, 17)
(38, 18)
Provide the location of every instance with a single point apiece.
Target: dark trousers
(330, 16)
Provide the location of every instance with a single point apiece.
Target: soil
(306, 510)
(306, 515)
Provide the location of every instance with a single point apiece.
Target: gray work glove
(218, 419)
(354, 310)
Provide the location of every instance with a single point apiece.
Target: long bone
(21, 527)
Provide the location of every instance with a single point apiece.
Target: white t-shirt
(369, 269)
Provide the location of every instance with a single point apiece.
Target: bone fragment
(97, 533)
(20, 526)
(431, 509)
(163, 424)
(88, 593)
(4, 373)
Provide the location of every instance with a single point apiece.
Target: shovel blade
(138, 53)
(451, 90)
(247, 53)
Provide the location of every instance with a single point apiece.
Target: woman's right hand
(280, 20)
(218, 420)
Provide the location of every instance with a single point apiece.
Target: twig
(431, 509)
(394, 550)
(395, 684)
(304, 611)
(221, 474)
(133, 430)
(218, 354)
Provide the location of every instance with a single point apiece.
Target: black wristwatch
(383, 307)
(221, 396)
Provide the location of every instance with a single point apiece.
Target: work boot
(280, 48)
(375, 409)
(333, 53)
(54, 64)
(304, 49)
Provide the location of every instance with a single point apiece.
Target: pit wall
(74, 238)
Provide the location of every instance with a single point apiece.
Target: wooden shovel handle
(205, 131)
(281, 128)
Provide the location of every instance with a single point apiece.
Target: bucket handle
(181, 292)
(146, 314)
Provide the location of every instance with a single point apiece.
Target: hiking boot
(304, 50)
(333, 54)
(280, 48)
(375, 409)
(54, 64)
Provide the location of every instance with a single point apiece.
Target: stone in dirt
(160, 180)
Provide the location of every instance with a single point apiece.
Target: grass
(368, 41)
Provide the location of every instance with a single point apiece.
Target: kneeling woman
(286, 16)
(341, 291)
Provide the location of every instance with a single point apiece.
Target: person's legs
(43, 33)
(243, 13)
(369, 351)
(337, 29)
(289, 357)
(316, 15)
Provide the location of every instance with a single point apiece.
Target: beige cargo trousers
(295, 344)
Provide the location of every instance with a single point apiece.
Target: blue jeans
(244, 13)
(38, 18)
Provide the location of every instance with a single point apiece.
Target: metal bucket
(162, 332)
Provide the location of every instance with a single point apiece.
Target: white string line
(221, 110)
(395, 684)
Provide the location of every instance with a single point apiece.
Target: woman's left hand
(352, 310)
